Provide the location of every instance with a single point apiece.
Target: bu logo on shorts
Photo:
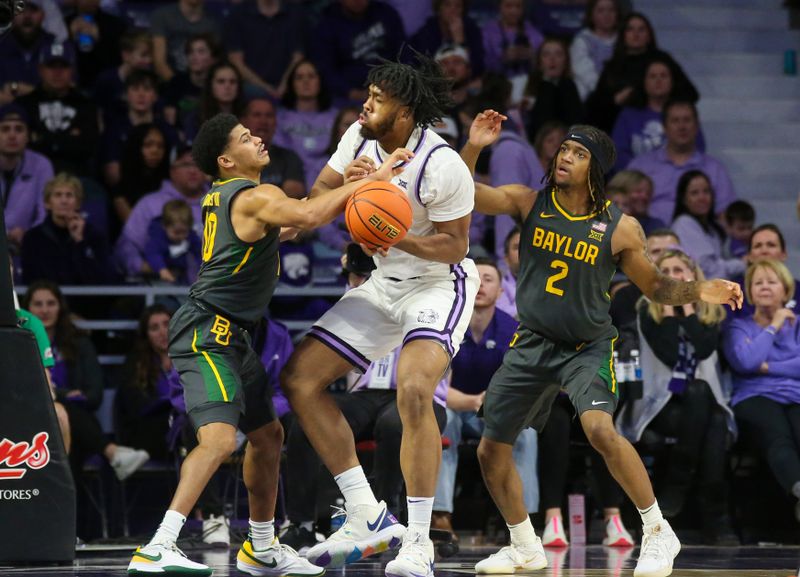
(428, 316)
(221, 328)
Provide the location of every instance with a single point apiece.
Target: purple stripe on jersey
(421, 172)
(461, 296)
(350, 354)
(430, 334)
(422, 136)
(360, 148)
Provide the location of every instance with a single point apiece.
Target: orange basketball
(378, 214)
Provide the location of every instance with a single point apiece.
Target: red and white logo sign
(34, 455)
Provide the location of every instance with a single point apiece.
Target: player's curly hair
(596, 178)
(422, 87)
(211, 141)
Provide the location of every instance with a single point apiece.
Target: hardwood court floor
(593, 561)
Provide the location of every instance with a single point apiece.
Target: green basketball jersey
(236, 278)
(566, 267)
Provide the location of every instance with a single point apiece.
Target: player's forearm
(470, 154)
(325, 207)
(669, 291)
(439, 247)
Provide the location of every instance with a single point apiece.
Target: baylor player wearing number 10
(224, 383)
(572, 241)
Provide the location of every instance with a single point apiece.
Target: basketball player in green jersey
(571, 243)
(225, 386)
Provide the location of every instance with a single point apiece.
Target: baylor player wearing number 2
(572, 241)
(225, 386)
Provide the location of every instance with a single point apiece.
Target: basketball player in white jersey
(420, 296)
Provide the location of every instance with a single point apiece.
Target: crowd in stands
(98, 110)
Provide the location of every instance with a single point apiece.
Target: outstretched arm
(630, 244)
(270, 204)
(514, 200)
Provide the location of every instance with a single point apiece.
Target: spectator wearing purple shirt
(305, 118)
(451, 26)
(510, 41)
(766, 242)
(19, 53)
(186, 183)
(678, 155)
(486, 341)
(173, 249)
(639, 127)
(593, 45)
(764, 354)
(695, 223)
(256, 28)
(351, 35)
(23, 175)
(507, 301)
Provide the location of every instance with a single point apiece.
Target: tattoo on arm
(670, 291)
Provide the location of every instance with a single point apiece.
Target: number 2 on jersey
(209, 235)
(562, 269)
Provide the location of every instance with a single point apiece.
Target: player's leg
(520, 395)
(355, 329)
(588, 377)
(421, 366)
(209, 372)
(261, 554)
(311, 368)
(435, 315)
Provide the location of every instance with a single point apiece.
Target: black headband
(584, 139)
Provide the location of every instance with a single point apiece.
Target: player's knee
(602, 436)
(413, 398)
(220, 446)
(489, 458)
(267, 438)
(291, 380)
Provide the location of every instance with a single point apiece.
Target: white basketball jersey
(437, 182)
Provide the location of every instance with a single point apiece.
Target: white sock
(420, 510)
(307, 525)
(355, 488)
(262, 533)
(652, 515)
(522, 533)
(170, 527)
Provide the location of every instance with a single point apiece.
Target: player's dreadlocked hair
(422, 87)
(604, 155)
